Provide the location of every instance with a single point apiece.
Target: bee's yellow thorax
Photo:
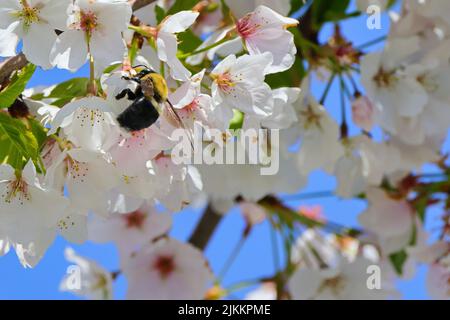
(159, 86)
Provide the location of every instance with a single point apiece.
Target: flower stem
(327, 89)
(207, 48)
(371, 43)
(234, 254)
(344, 126)
(312, 195)
(92, 85)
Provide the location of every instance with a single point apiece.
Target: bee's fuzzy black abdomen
(140, 115)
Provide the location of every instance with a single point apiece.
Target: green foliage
(160, 14)
(16, 87)
(188, 41)
(324, 11)
(398, 260)
(237, 121)
(181, 5)
(288, 78)
(66, 91)
(19, 143)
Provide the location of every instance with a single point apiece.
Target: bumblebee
(147, 98)
(149, 101)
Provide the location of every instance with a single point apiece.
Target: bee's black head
(142, 71)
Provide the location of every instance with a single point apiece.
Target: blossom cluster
(96, 181)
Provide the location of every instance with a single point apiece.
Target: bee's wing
(173, 117)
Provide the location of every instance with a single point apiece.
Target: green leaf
(398, 260)
(16, 87)
(66, 91)
(112, 67)
(17, 143)
(188, 41)
(39, 132)
(226, 12)
(237, 121)
(328, 11)
(160, 14)
(181, 5)
(391, 3)
(289, 78)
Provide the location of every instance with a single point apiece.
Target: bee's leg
(126, 92)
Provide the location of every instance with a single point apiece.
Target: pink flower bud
(362, 113)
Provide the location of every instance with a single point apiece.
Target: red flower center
(135, 219)
(165, 265)
(246, 27)
(88, 21)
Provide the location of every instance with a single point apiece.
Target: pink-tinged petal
(437, 282)
(363, 113)
(269, 18)
(187, 92)
(283, 53)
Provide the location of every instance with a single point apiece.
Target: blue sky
(255, 259)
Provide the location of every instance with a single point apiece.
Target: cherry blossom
(130, 231)
(166, 41)
(260, 28)
(438, 279)
(391, 220)
(363, 113)
(26, 218)
(93, 27)
(239, 83)
(89, 123)
(320, 135)
(167, 269)
(346, 281)
(35, 22)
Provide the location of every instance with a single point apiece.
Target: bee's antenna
(143, 65)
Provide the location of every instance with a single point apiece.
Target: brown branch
(10, 65)
(205, 228)
(139, 4)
